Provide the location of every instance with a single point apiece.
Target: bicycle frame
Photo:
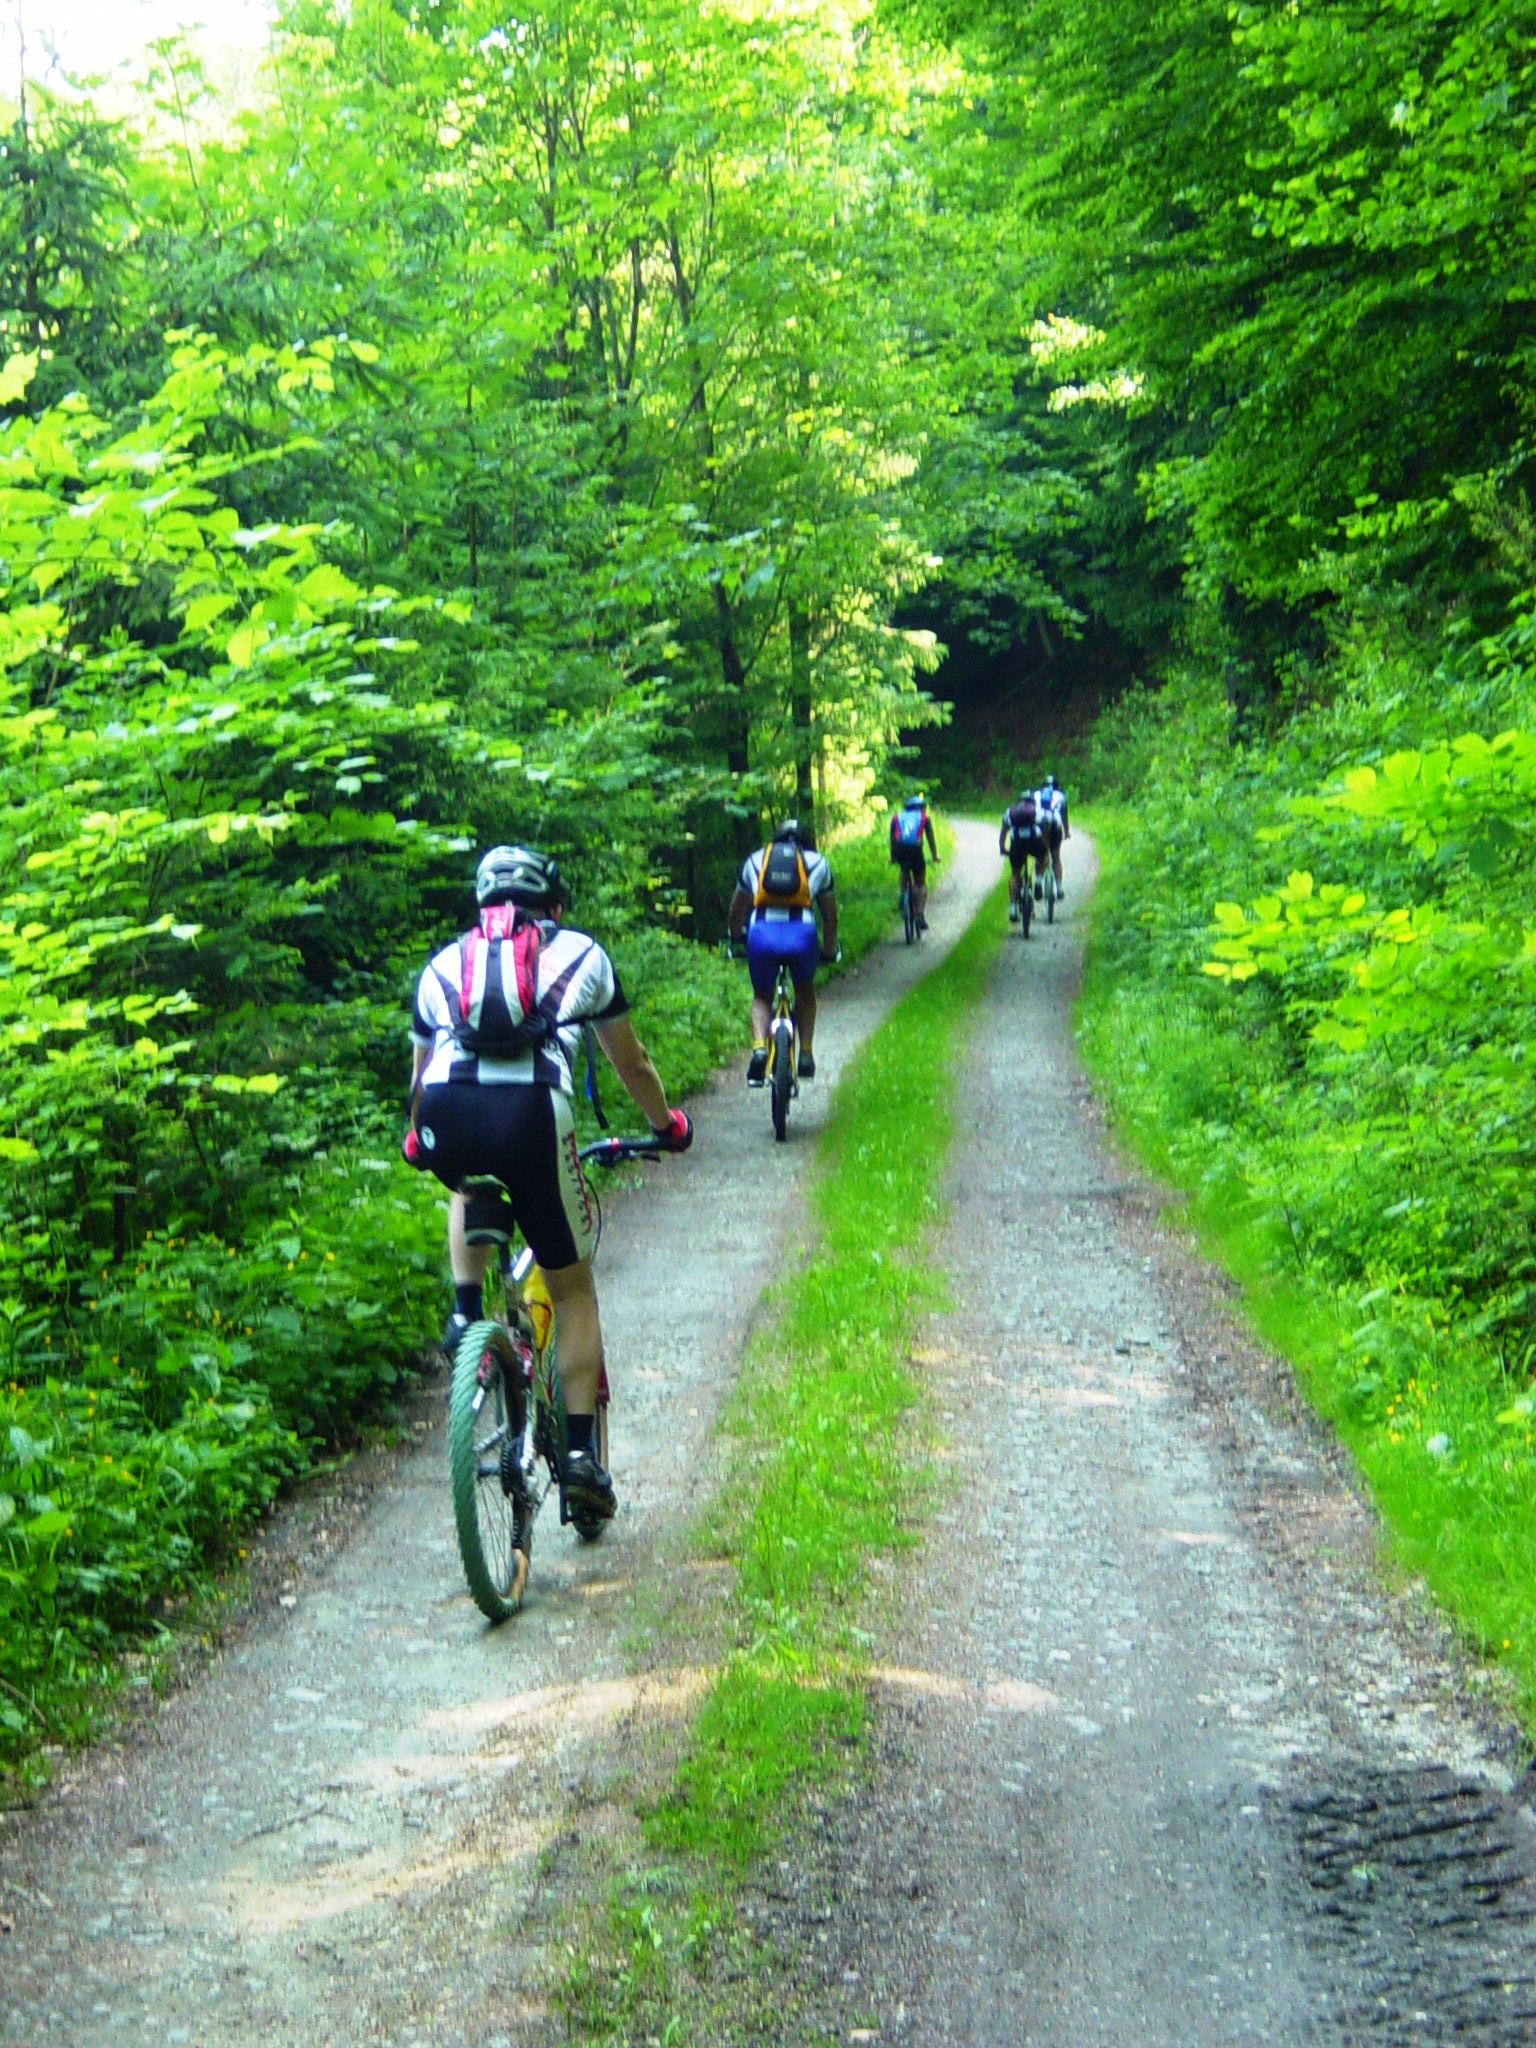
(504, 1463)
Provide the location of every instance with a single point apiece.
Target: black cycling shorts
(1021, 850)
(1053, 835)
(525, 1135)
(911, 859)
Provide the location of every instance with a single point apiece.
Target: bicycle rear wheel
(1026, 906)
(908, 913)
(782, 1078)
(491, 1510)
(1050, 899)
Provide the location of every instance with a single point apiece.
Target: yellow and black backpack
(782, 881)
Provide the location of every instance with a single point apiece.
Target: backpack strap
(589, 1086)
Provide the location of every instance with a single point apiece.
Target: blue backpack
(908, 828)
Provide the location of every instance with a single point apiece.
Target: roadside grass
(827, 1468)
(1441, 1434)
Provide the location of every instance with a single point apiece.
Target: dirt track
(310, 1845)
(1158, 1763)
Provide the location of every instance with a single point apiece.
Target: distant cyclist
(1052, 799)
(494, 1029)
(1022, 841)
(910, 827)
(781, 890)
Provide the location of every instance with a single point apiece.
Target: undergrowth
(1308, 1002)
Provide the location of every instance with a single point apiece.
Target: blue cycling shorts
(789, 939)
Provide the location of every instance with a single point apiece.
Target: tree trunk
(800, 711)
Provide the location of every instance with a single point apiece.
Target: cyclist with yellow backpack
(783, 886)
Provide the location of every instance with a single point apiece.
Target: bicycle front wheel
(486, 1410)
(782, 1079)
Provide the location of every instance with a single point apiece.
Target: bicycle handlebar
(614, 1151)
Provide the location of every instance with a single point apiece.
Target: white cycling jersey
(576, 983)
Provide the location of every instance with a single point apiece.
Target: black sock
(467, 1300)
(578, 1432)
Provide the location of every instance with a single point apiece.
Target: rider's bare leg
(470, 1262)
(805, 1013)
(579, 1351)
(761, 1011)
(920, 898)
(1013, 888)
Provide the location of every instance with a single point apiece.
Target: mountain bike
(781, 1078)
(506, 1410)
(783, 1052)
(1026, 900)
(906, 903)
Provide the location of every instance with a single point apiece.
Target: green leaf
(16, 374)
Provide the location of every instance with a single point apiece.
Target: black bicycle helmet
(518, 874)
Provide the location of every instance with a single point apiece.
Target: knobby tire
(492, 1527)
(782, 1079)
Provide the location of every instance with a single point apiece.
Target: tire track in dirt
(329, 1838)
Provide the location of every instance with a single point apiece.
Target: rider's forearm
(736, 916)
(828, 927)
(632, 1064)
(642, 1083)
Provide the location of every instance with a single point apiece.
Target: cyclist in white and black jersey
(495, 1031)
(1052, 799)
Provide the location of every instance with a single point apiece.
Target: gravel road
(1161, 1765)
(1157, 1761)
(327, 1839)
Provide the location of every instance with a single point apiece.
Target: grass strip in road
(826, 1473)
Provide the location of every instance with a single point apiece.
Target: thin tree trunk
(800, 710)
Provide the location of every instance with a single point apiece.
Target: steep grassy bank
(1309, 1001)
